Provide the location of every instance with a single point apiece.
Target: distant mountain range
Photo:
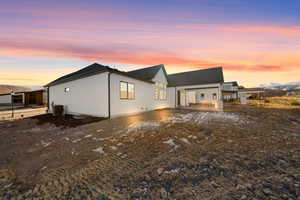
(8, 88)
(279, 86)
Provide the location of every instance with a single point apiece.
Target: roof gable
(147, 73)
(161, 76)
(198, 77)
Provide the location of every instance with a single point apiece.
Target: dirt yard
(243, 153)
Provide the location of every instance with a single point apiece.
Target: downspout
(48, 99)
(175, 98)
(109, 73)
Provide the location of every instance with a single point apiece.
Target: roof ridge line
(197, 70)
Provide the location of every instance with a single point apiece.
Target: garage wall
(191, 94)
(5, 99)
(144, 96)
(171, 96)
(87, 96)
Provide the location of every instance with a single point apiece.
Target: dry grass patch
(278, 102)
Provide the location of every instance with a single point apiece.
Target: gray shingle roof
(212, 75)
(205, 76)
(89, 71)
(82, 73)
(147, 73)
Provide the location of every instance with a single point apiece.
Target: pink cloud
(131, 55)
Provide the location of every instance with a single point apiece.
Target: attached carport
(199, 88)
(204, 98)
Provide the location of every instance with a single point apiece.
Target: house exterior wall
(88, 96)
(144, 96)
(171, 97)
(191, 94)
(5, 99)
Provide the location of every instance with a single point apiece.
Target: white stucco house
(101, 91)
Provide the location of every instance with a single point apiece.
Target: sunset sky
(255, 41)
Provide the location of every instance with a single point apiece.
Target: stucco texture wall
(144, 96)
(88, 96)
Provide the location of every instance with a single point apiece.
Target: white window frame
(160, 91)
(127, 91)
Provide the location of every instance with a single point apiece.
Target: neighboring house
(99, 90)
(248, 93)
(230, 91)
(25, 98)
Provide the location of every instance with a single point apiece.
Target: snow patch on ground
(101, 139)
(99, 150)
(192, 136)
(204, 117)
(73, 152)
(45, 144)
(171, 142)
(185, 140)
(143, 125)
(173, 171)
(76, 140)
(114, 148)
(87, 136)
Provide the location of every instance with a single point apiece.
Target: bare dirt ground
(243, 153)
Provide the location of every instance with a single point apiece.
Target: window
(214, 96)
(160, 91)
(127, 90)
(156, 91)
(130, 91)
(67, 89)
(17, 98)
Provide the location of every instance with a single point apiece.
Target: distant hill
(284, 87)
(8, 88)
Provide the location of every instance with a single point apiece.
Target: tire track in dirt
(95, 177)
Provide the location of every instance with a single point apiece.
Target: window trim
(158, 87)
(127, 90)
(133, 98)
